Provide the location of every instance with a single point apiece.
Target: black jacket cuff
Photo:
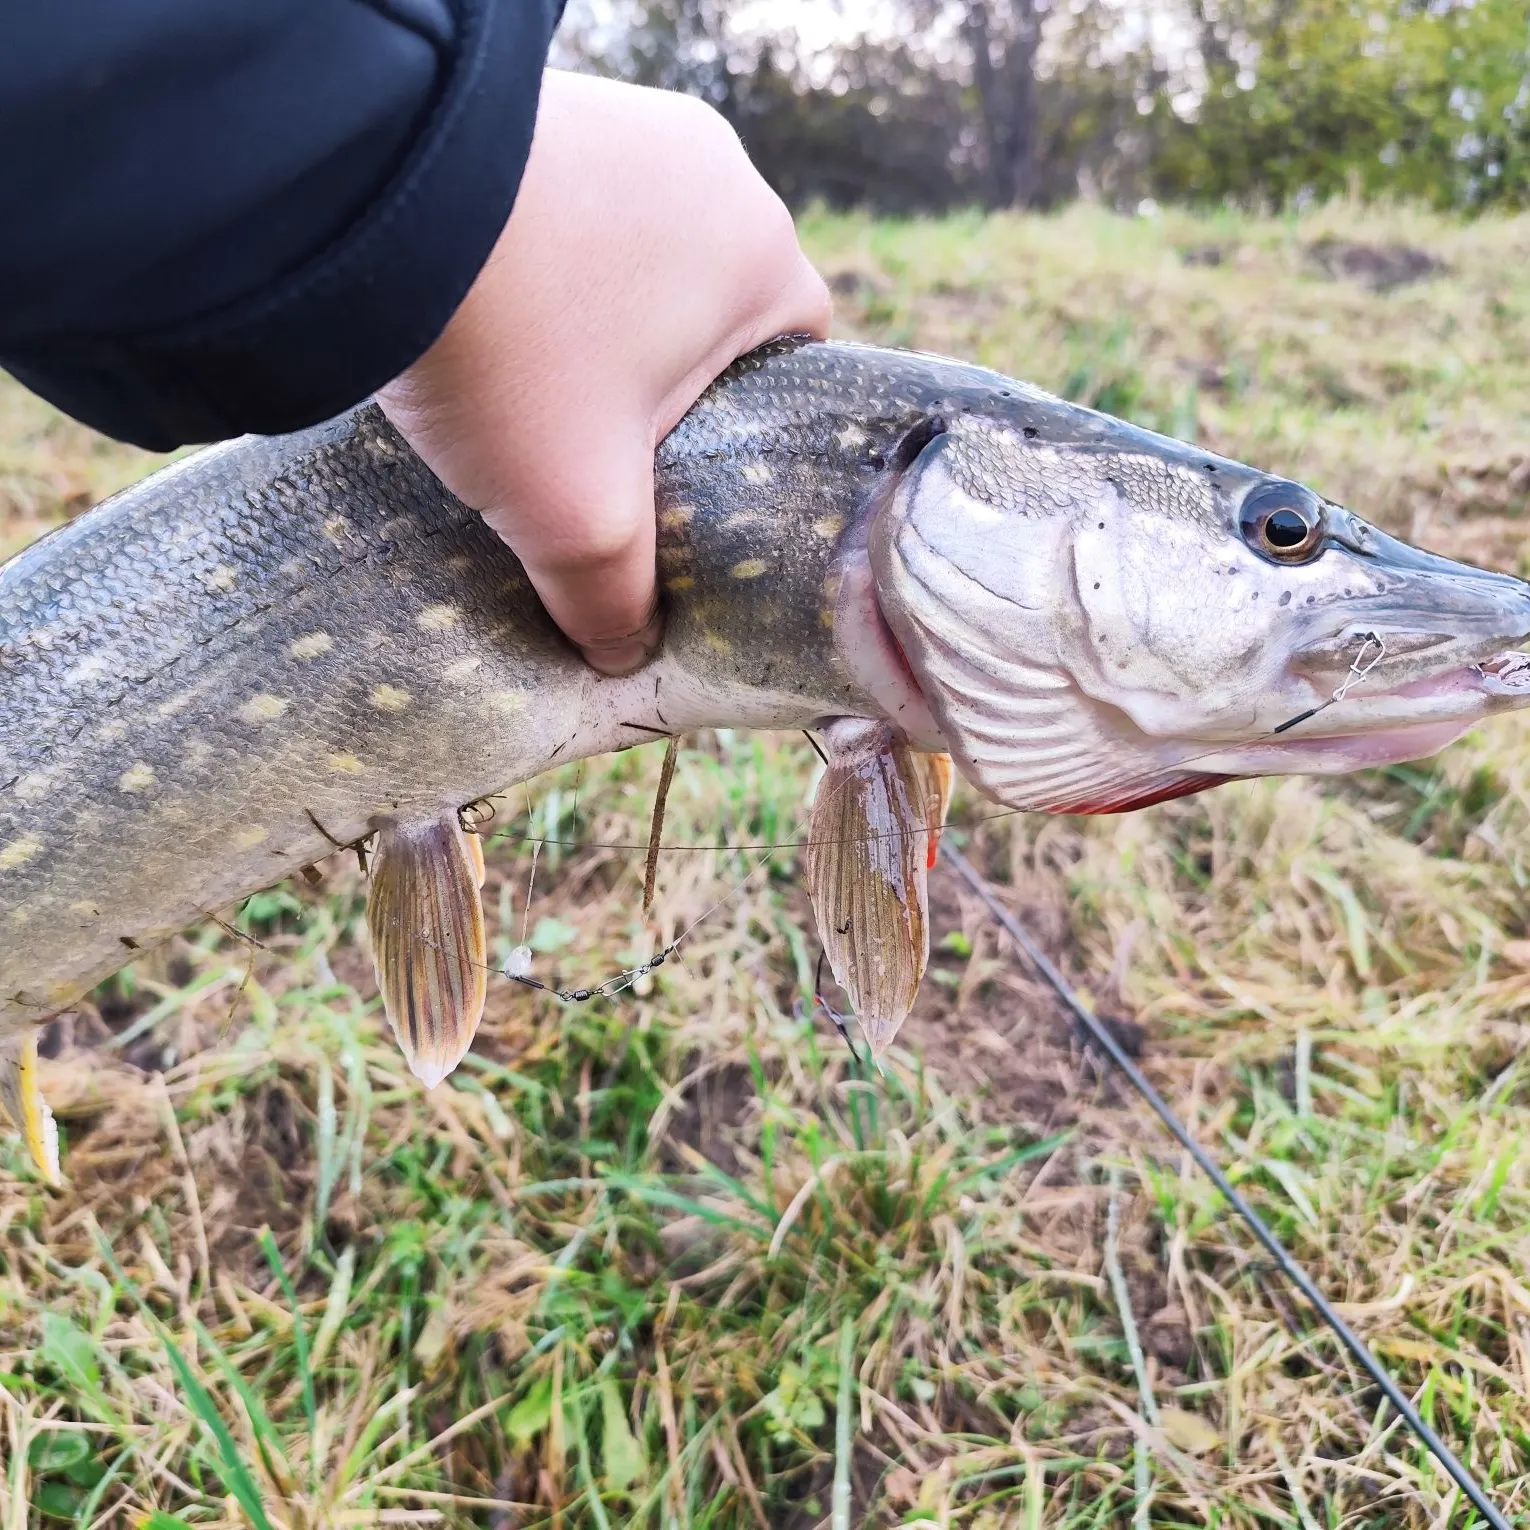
(328, 331)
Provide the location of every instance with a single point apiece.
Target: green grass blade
(844, 1430)
(299, 1337)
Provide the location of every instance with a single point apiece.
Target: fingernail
(623, 655)
(620, 660)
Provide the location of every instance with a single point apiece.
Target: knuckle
(598, 544)
(708, 119)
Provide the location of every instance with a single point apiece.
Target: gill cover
(976, 556)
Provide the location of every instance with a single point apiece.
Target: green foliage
(1258, 102)
(1322, 98)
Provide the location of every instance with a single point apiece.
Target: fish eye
(1283, 521)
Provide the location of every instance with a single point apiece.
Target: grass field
(675, 1259)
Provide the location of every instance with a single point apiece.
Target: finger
(587, 544)
(806, 305)
(595, 571)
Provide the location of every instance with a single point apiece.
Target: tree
(1307, 99)
(1003, 36)
(1026, 103)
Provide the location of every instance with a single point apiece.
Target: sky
(820, 24)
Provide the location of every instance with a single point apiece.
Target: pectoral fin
(22, 1097)
(475, 855)
(938, 776)
(872, 840)
(426, 921)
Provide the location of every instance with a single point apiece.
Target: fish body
(284, 644)
(271, 647)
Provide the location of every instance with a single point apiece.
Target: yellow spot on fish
(177, 703)
(717, 642)
(311, 645)
(459, 563)
(263, 708)
(223, 577)
(110, 732)
(464, 668)
(831, 588)
(676, 517)
(511, 702)
(197, 752)
(247, 839)
(750, 568)
(346, 764)
(389, 698)
(757, 472)
(336, 528)
(829, 527)
(138, 777)
(19, 852)
(437, 618)
(679, 582)
(851, 437)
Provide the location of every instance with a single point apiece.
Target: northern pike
(283, 644)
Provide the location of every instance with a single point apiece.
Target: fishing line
(531, 877)
(518, 963)
(517, 967)
(1360, 669)
(1209, 1166)
(780, 844)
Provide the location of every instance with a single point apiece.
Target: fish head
(1100, 618)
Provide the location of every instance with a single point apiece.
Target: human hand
(644, 254)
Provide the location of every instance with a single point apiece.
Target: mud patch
(1203, 255)
(1380, 267)
(716, 1102)
(995, 1032)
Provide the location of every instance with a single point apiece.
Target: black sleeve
(220, 216)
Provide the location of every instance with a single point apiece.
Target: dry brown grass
(608, 1275)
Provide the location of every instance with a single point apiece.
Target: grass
(675, 1259)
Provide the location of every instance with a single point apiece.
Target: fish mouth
(1506, 676)
(1430, 714)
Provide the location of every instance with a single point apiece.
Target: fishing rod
(1100, 1034)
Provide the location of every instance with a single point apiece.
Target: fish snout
(1429, 613)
